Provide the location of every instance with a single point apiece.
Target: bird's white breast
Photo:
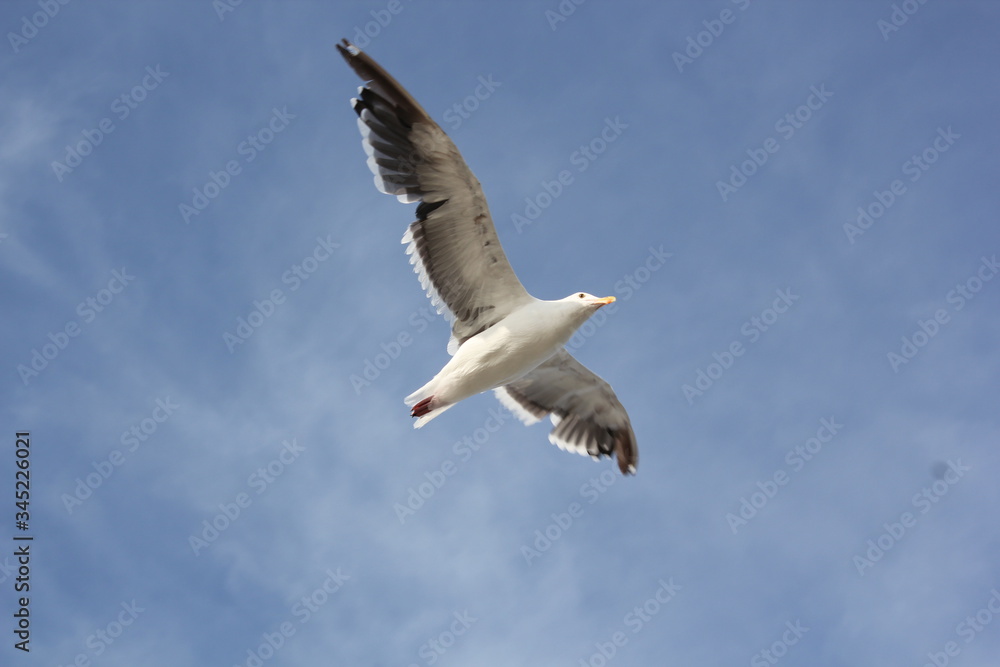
(509, 349)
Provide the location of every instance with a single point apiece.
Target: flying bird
(502, 338)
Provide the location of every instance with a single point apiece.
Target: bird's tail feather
(424, 405)
(426, 417)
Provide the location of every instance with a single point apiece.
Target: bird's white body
(508, 350)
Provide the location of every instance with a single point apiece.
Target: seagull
(502, 338)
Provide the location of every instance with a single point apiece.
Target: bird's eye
(580, 295)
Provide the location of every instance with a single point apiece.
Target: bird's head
(585, 304)
(589, 300)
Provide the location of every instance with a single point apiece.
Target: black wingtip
(346, 49)
(625, 452)
(381, 81)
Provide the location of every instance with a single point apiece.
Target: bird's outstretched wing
(588, 417)
(453, 244)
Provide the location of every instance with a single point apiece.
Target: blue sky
(199, 274)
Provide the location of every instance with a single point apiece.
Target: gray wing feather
(453, 244)
(588, 417)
